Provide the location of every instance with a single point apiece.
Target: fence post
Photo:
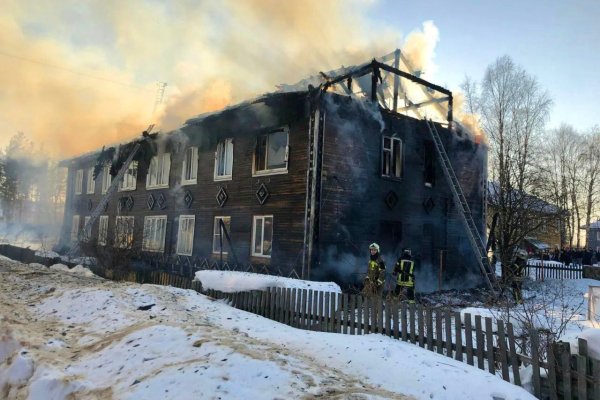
(353, 314)
(448, 323)
(429, 320)
(514, 361)
(502, 350)
(489, 334)
(551, 360)
(469, 338)
(480, 343)
(582, 359)
(535, 362)
(458, 334)
(359, 316)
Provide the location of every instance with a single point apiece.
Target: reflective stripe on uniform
(410, 280)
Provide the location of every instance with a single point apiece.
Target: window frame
(106, 178)
(75, 228)
(87, 233)
(193, 168)
(162, 163)
(132, 171)
(129, 243)
(254, 219)
(271, 171)
(222, 153)
(215, 235)
(390, 151)
(79, 181)
(146, 240)
(90, 184)
(102, 230)
(178, 250)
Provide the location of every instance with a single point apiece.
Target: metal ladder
(464, 210)
(74, 250)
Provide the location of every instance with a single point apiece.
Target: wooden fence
(540, 270)
(478, 341)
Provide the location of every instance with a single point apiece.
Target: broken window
(391, 157)
(106, 178)
(124, 232)
(102, 230)
(79, 181)
(130, 177)
(429, 157)
(219, 239)
(91, 183)
(190, 166)
(262, 235)
(155, 229)
(75, 226)
(271, 153)
(158, 172)
(224, 159)
(185, 235)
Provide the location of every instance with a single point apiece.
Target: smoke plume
(78, 75)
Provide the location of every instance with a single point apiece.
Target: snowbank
(233, 281)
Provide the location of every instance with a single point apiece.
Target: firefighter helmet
(374, 246)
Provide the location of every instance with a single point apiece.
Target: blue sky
(556, 41)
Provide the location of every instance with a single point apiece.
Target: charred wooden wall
(354, 212)
(286, 199)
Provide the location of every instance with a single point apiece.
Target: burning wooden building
(300, 180)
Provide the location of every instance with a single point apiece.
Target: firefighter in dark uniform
(404, 270)
(518, 275)
(375, 278)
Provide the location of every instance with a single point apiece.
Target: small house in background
(299, 182)
(593, 235)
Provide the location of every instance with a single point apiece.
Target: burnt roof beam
(412, 78)
(425, 103)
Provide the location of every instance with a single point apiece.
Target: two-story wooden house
(298, 181)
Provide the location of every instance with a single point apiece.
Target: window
(597, 235)
(185, 235)
(262, 235)
(219, 238)
(87, 229)
(391, 157)
(91, 183)
(158, 172)
(106, 178)
(429, 156)
(189, 174)
(124, 232)
(102, 230)
(224, 160)
(271, 153)
(155, 228)
(79, 182)
(75, 228)
(130, 177)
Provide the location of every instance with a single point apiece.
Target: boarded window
(391, 157)
(185, 235)
(155, 229)
(262, 235)
(224, 159)
(219, 238)
(190, 166)
(271, 153)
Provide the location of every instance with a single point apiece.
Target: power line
(45, 64)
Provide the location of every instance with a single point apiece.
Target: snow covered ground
(66, 334)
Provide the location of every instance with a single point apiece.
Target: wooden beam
(425, 103)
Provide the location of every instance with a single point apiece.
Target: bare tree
(590, 167)
(513, 109)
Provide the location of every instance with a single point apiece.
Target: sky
(78, 75)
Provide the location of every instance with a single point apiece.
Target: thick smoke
(79, 75)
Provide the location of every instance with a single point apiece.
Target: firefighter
(517, 275)
(404, 270)
(373, 284)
